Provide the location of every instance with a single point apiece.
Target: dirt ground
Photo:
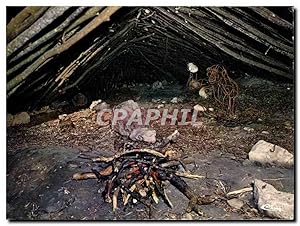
(43, 155)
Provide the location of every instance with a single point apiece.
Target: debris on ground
(139, 175)
(267, 153)
(18, 119)
(273, 203)
(143, 134)
(235, 203)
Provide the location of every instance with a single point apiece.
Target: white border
(122, 3)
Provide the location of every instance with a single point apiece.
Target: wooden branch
(54, 32)
(103, 17)
(23, 20)
(251, 31)
(269, 15)
(92, 12)
(49, 16)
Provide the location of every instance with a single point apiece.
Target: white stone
(210, 109)
(248, 129)
(21, 118)
(174, 100)
(273, 203)
(200, 108)
(94, 104)
(265, 132)
(235, 203)
(268, 153)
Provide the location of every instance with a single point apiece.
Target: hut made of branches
(56, 52)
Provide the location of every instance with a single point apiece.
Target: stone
(143, 134)
(265, 132)
(273, 203)
(235, 203)
(99, 106)
(270, 154)
(79, 100)
(174, 100)
(210, 109)
(248, 129)
(187, 216)
(94, 104)
(199, 108)
(157, 85)
(21, 118)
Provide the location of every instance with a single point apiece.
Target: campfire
(140, 175)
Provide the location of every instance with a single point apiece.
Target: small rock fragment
(143, 134)
(273, 203)
(199, 108)
(210, 109)
(267, 153)
(94, 104)
(157, 85)
(265, 132)
(174, 100)
(248, 129)
(235, 203)
(21, 118)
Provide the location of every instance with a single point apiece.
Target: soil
(43, 155)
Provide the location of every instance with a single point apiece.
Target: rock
(248, 129)
(174, 100)
(62, 117)
(273, 203)
(160, 106)
(267, 153)
(157, 85)
(94, 104)
(187, 216)
(199, 108)
(143, 134)
(98, 105)
(21, 118)
(247, 162)
(126, 124)
(9, 119)
(235, 203)
(156, 100)
(210, 109)
(79, 100)
(265, 132)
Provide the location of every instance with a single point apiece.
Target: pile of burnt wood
(140, 175)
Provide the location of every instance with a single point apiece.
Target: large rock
(267, 153)
(273, 203)
(21, 118)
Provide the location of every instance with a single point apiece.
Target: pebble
(210, 109)
(199, 108)
(174, 100)
(248, 129)
(265, 132)
(235, 203)
(187, 216)
(21, 118)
